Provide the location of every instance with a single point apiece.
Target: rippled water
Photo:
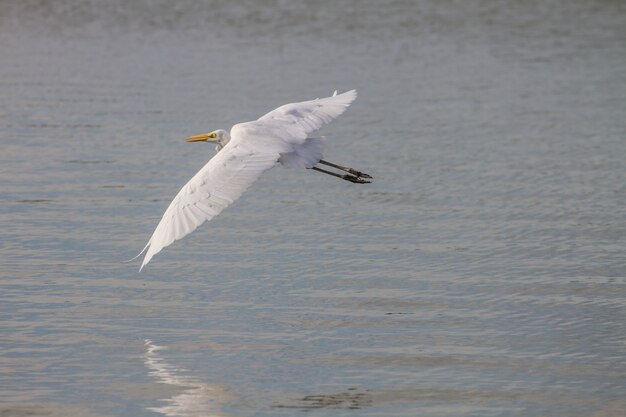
(481, 274)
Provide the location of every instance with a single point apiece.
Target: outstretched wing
(292, 122)
(216, 186)
(254, 147)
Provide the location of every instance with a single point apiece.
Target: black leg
(347, 177)
(346, 169)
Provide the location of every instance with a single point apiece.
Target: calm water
(483, 273)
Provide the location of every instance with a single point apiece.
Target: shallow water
(481, 274)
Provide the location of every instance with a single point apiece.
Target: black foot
(355, 179)
(358, 174)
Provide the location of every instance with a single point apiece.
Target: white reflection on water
(196, 400)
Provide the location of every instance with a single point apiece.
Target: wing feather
(290, 124)
(217, 185)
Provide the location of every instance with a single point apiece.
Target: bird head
(219, 136)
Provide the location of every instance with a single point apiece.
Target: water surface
(481, 274)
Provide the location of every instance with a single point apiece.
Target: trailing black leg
(346, 169)
(347, 177)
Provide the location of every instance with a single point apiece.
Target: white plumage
(250, 149)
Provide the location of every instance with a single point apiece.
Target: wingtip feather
(349, 96)
(145, 262)
(147, 258)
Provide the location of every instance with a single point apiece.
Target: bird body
(280, 136)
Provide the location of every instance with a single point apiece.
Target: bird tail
(304, 155)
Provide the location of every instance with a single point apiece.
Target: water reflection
(196, 400)
(351, 399)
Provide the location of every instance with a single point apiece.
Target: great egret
(243, 155)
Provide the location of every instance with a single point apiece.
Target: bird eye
(212, 135)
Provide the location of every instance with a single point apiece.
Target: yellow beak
(199, 138)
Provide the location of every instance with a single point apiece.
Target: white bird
(250, 148)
